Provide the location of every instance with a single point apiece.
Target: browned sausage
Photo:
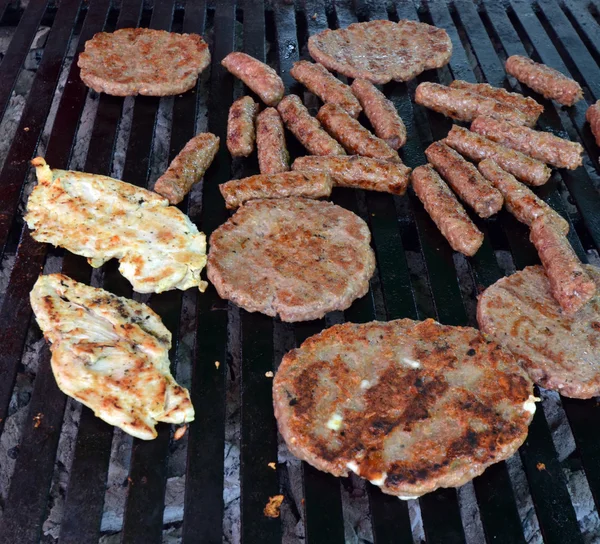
(273, 156)
(306, 128)
(540, 145)
(241, 133)
(188, 167)
(544, 80)
(355, 138)
(530, 108)
(518, 199)
(318, 80)
(381, 112)
(465, 179)
(286, 184)
(358, 172)
(464, 105)
(446, 212)
(592, 116)
(262, 79)
(570, 284)
(476, 147)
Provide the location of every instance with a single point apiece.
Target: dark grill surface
(418, 275)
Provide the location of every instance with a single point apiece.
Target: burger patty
(558, 351)
(292, 257)
(410, 406)
(135, 61)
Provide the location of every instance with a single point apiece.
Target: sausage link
(358, 172)
(188, 167)
(318, 80)
(540, 145)
(592, 116)
(381, 112)
(544, 80)
(259, 77)
(476, 147)
(355, 138)
(241, 133)
(518, 199)
(286, 184)
(465, 179)
(464, 105)
(306, 128)
(447, 212)
(273, 156)
(570, 284)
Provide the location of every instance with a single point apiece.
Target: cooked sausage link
(476, 147)
(306, 128)
(286, 184)
(318, 80)
(273, 156)
(188, 167)
(464, 105)
(241, 133)
(544, 80)
(570, 284)
(447, 212)
(592, 116)
(530, 108)
(381, 112)
(262, 79)
(540, 145)
(355, 138)
(518, 199)
(465, 179)
(358, 172)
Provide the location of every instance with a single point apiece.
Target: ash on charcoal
(159, 158)
(469, 513)
(84, 131)
(583, 502)
(122, 139)
(558, 424)
(468, 289)
(355, 507)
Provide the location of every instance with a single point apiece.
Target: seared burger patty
(410, 406)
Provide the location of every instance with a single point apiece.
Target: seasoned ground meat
(241, 132)
(592, 116)
(273, 156)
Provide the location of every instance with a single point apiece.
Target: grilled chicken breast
(101, 218)
(111, 354)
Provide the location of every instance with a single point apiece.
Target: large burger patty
(410, 406)
(292, 257)
(558, 351)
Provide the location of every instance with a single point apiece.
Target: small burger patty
(558, 351)
(411, 406)
(292, 257)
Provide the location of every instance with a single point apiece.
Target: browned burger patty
(381, 51)
(592, 116)
(273, 156)
(410, 406)
(463, 105)
(447, 212)
(381, 112)
(355, 138)
(238, 191)
(241, 132)
(540, 145)
(518, 199)
(465, 180)
(291, 257)
(544, 80)
(358, 172)
(530, 108)
(318, 80)
(135, 61)
(259, 77)
(571, 286)
(476, 147)
(306, 128)
(188, 167)
(558, 351)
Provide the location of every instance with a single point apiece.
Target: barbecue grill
(59, 460)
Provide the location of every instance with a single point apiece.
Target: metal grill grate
(418, 276)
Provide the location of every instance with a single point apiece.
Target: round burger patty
(292, 257)
(558, 351)
(410, 406)
(135, 61)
